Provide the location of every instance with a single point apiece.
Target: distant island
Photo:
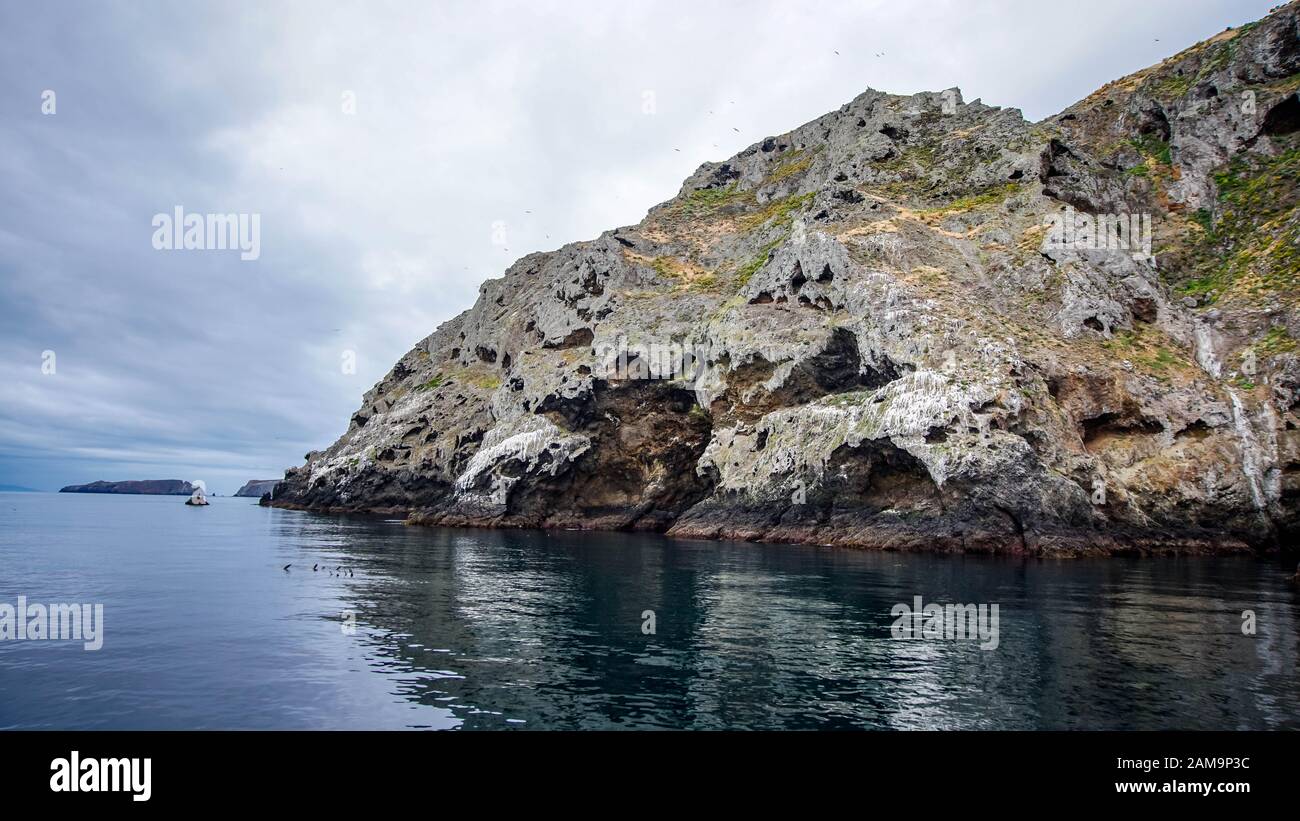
(17, 489)
(255, 488)
(151, 487)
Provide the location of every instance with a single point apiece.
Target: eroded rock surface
(885, 348)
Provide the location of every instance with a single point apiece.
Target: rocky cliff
(913, 323)
(254, 488)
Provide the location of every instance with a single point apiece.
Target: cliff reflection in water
(544, 630)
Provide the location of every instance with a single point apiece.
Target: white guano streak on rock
(499, 445)
(1249, 451)
(1205, 356)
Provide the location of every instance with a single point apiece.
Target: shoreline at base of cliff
(855, 535)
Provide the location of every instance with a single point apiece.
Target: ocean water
(408, 627)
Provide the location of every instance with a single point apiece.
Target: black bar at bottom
(210, 770)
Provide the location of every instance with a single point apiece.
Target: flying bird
(287, 566)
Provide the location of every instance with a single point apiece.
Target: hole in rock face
(1155, 121)
(1054, 160)
(826, 275)
(838, 368)
(762, 440)
(936, 435)
(1283, 118)
(1098, 430)
(505, 362)
(722, 176)
(876, 476)
(849, 196)
(1144, 309)
(1196, 430)
(893, 132)
(486, 354)
(797, 279)
(577, 338)
(1095, 324)
(1017, 174)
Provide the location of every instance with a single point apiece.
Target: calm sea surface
(484, 630)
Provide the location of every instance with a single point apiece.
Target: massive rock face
(893, 327)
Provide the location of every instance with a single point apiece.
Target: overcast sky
(377, 225)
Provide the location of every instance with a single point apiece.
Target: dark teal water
(481, 629)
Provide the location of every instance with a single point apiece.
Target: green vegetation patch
(686, 275)
(993, 195)
(1148, 351)
(746, 271)
(1252, 251)
(794, 162)
(776, 210)
(431, 384)
(708, 201)
(1276, 341)
(1153, 148)
(486, 381)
